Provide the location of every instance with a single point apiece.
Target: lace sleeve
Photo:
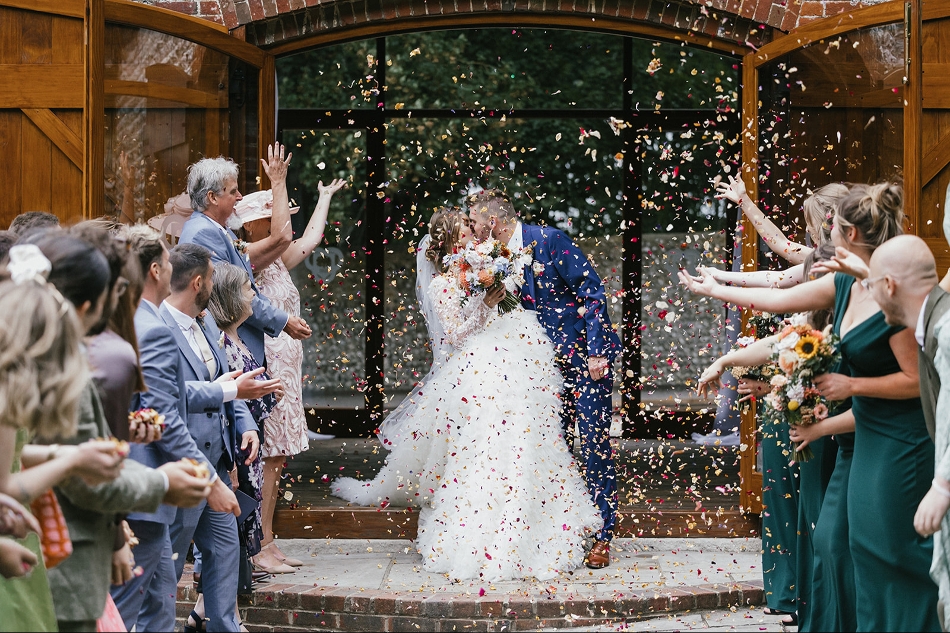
(459, 322)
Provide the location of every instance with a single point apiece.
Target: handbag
(55, 540)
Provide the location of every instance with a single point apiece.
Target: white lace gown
(482, 452)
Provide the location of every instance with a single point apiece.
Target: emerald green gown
(26, 603)
(779, 512)
(891, 471)
(833, 577)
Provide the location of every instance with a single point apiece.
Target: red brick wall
(271, 21)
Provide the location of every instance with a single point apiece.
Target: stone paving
(673, 584)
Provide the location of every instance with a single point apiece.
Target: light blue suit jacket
(215, 425)
(202, 230)
(165, 381)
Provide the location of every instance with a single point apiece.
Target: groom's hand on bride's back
(494, 296)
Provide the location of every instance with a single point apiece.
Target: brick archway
(749, 23)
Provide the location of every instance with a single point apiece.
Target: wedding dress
(482, 452)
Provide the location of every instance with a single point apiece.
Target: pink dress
(285, 431)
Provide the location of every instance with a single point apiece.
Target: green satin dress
(779, 513)
(833, 577)
(891, 471)
(26, 603)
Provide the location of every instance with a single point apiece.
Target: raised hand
(250, 388)
(275, 166)
(702, 284)
(710, 380)
(731, 189)
(297, 328)
(752, 389)
(844, 261)
(335, 185)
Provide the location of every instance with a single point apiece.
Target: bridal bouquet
(802, 353)
(486, 264)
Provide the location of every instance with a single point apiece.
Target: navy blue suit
(569, 299)
(148, 601)
(216, 427)
(202, 230)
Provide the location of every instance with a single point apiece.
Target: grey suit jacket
(214, 424)
(81, 582)
(165, 383)
(938, 302)
(266, 319)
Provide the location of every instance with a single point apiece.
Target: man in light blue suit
(212, 187)
(569, 298)
(219, 425)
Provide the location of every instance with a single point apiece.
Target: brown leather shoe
(599, 555)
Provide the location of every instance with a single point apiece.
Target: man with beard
(219, 425)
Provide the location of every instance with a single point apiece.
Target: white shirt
(516, 243)
(919, 333)
(185, 322)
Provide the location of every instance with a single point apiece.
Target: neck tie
(207, 356)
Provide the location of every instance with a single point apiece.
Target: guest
(80, 584)
(212, 187)
(147, 602)
(893, 456)
(31, 222)
(7, 240)
(265, 218)
(231, 430)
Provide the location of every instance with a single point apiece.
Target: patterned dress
(250, 478)
(285, 431)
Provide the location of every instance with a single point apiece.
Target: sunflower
(807, 346)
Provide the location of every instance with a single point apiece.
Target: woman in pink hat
(265, 219)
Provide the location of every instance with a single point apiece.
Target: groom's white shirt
(516, 243)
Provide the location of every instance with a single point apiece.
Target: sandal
(768, 611)
(199, 626)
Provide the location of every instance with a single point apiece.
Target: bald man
(903, 280)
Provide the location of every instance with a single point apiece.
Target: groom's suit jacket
(166, 389)
(266, 319)
(568, 295)
(215, 425)
(937, 304)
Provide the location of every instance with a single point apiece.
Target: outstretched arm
(760, 278)
(811, 295)
(265, 252)
(301, 248)
(756, 354)
(734, 189)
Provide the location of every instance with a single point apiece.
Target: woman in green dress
(42, 373)
(891, 470)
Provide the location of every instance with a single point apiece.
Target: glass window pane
(332, 280)
(168, 103)
(504, 69)
(683, 226)
(668, 75)
(340, 76)
(830, 112)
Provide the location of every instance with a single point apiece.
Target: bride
(478, 445)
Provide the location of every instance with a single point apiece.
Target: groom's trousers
(589, 403)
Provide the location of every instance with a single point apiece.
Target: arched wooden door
(858, 97)
(105, 103)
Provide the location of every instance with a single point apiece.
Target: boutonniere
(241, 247)
(538, 268)
(201, 318)
(221, 341)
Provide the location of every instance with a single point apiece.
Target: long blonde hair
(444, 229)
(42, 369)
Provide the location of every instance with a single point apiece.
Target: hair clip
(28, 263)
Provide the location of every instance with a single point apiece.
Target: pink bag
(111, 620)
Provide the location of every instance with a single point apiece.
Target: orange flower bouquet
(487, 264)
(802, 353)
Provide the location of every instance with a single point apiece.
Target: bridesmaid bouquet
(487, 264)
(802, 353)
(761, 325)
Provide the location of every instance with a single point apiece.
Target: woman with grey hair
(230, 305)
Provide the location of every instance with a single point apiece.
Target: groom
(568, 296)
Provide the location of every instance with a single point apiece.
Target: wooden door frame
(96, 14)
(875, 15)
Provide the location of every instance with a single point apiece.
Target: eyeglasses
(867, 283)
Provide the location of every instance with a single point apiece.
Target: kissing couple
(483, 443)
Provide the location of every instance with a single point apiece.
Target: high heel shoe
(199, 626)
(276, 569)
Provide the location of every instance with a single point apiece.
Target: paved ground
(638, 564)
(372, 578)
